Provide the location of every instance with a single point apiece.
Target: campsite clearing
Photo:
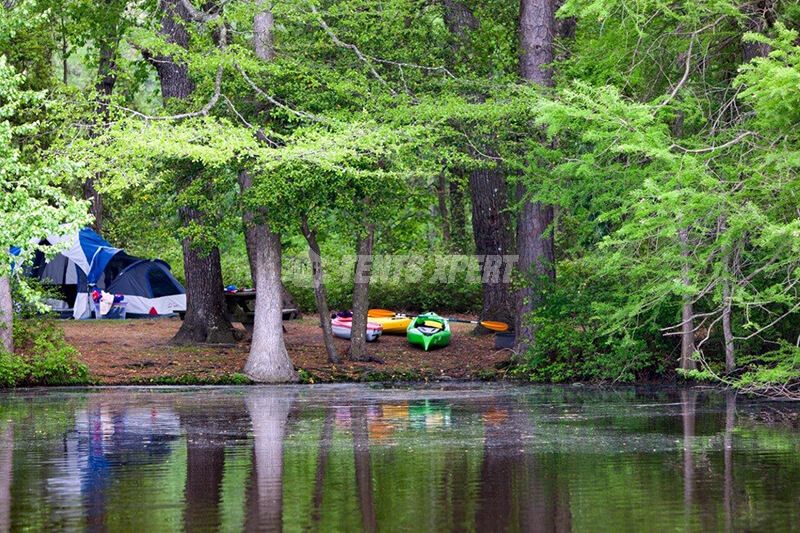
(138, 352)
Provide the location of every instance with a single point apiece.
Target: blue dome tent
(91, 262)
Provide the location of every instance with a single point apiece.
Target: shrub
(57, 364)
(44, 358)
(425, 293)
(13, 369)
(574, 340)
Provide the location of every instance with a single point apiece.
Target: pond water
(429, 458)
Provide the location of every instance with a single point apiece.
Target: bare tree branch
(275, 102)
(206, 109)
(366, 60)
(197, 15)
(685, 77)
(713, 148)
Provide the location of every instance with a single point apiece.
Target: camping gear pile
(89, 262)
(107, 305)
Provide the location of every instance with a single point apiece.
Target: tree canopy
(657, 145)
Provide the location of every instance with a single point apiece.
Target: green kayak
(429, 331)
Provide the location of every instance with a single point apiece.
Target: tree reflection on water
(351, 458)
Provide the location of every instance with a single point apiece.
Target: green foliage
(635, 170)
(43, 357)
(233, 378)
(576, 338)
(408, 283)
(770, 83)
(777, 368)
(697, 375)
(13, 369)
(28, 295)
(672, 165)
(55, 363)
(27, 43)
(32, 203)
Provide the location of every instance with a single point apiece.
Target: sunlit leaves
(772, 84)
(32, 205)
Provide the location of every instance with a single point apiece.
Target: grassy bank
(138, 352)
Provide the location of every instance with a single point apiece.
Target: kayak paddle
(380, 313)
(488, 324)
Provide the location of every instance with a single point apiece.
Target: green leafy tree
(32, 206)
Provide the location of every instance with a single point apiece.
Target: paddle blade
(495, 326)
(380, 313)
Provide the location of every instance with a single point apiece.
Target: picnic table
(240, 307)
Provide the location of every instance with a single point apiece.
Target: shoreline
(138, 352)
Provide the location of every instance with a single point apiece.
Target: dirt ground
(138, 351)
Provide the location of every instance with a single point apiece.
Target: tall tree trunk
(461, 22)
(687, 310)
(205, 314)
(458, 219)
(245, 182)
(759, 17)
(64, 51)
(491, 223)
(537, 263)
(534, 228)
(91, 193)
(727, 330)
(6, 316)
(205, 320)
(106, 80)
(173, 75)
(263, 23)
(491, 229)
(321, 296)
(248, 224)
(537, 27)
(358, 340)
(268, 360)
(727, 302)
(444, 218)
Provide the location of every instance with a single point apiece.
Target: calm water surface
(437, 458)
